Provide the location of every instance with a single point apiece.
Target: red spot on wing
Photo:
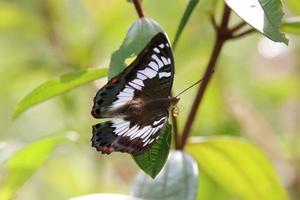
(94, 113)
(113, 81)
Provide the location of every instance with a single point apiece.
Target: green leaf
(184, 19)
(21, 166)
(291, 25)
(152, 161)
(57, 86)
(293, 5)
(263, 15)
(178, 180)
(209, 189)
(238, 166)
(138, 35)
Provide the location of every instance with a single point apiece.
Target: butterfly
(137, 100)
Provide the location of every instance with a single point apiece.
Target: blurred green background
(255, 92)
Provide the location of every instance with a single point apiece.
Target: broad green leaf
(57, 86)
(291, 25)
(153, 160)
(293, 5)
(184, 19)
(238, 166)
(263, 15)
(138, 35)
(178, 180)
(105, 196)
(21, 166)
(210, 189)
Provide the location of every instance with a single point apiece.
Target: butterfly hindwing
(124, 136)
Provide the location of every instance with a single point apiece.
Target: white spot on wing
(165, 61)
(138, 87)
(150, 141)
(120, 125)
(153, 65)
(128, 90)
(146, 133)
(123, 131)
(160, 64)
(150, 73)
(118, 104)
(164, 74)
(146, 143)
(156, 50)
(169, 61)
(140, 132)
(139, 82)
(132, 131)
(161, 45)
(141, 76)
(167, 45)
(158, 121)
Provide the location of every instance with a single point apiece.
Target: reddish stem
(138, 8)
(221, 37)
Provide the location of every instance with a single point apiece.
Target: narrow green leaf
(291, 25)
(239, 167)
(184, 19)
(178, 180)
(138, 35)
(152, 161)
(263, 15)
(57, 86)
(21, 166)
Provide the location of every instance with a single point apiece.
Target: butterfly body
(137, 100)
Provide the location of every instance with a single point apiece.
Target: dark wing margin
(150, 75)
(123, 136)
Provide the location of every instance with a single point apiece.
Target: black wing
(150, 75)
(121, 135)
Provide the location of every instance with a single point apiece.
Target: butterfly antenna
(193, 85)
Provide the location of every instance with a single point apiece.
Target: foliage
(26, 161)
(242, 166)
(263, 15)
(177, 180)
(153, 160)
(57, 86)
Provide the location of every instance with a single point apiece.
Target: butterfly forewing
(148, 77)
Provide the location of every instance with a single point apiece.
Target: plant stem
(138, 8)
(206, 78)
(238, 26)
(175, 132)
(246, 32)
(221, 37)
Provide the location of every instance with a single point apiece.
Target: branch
(252, 30)
(138, 8)
(213, 22)
(238, 27)
(221, 37)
